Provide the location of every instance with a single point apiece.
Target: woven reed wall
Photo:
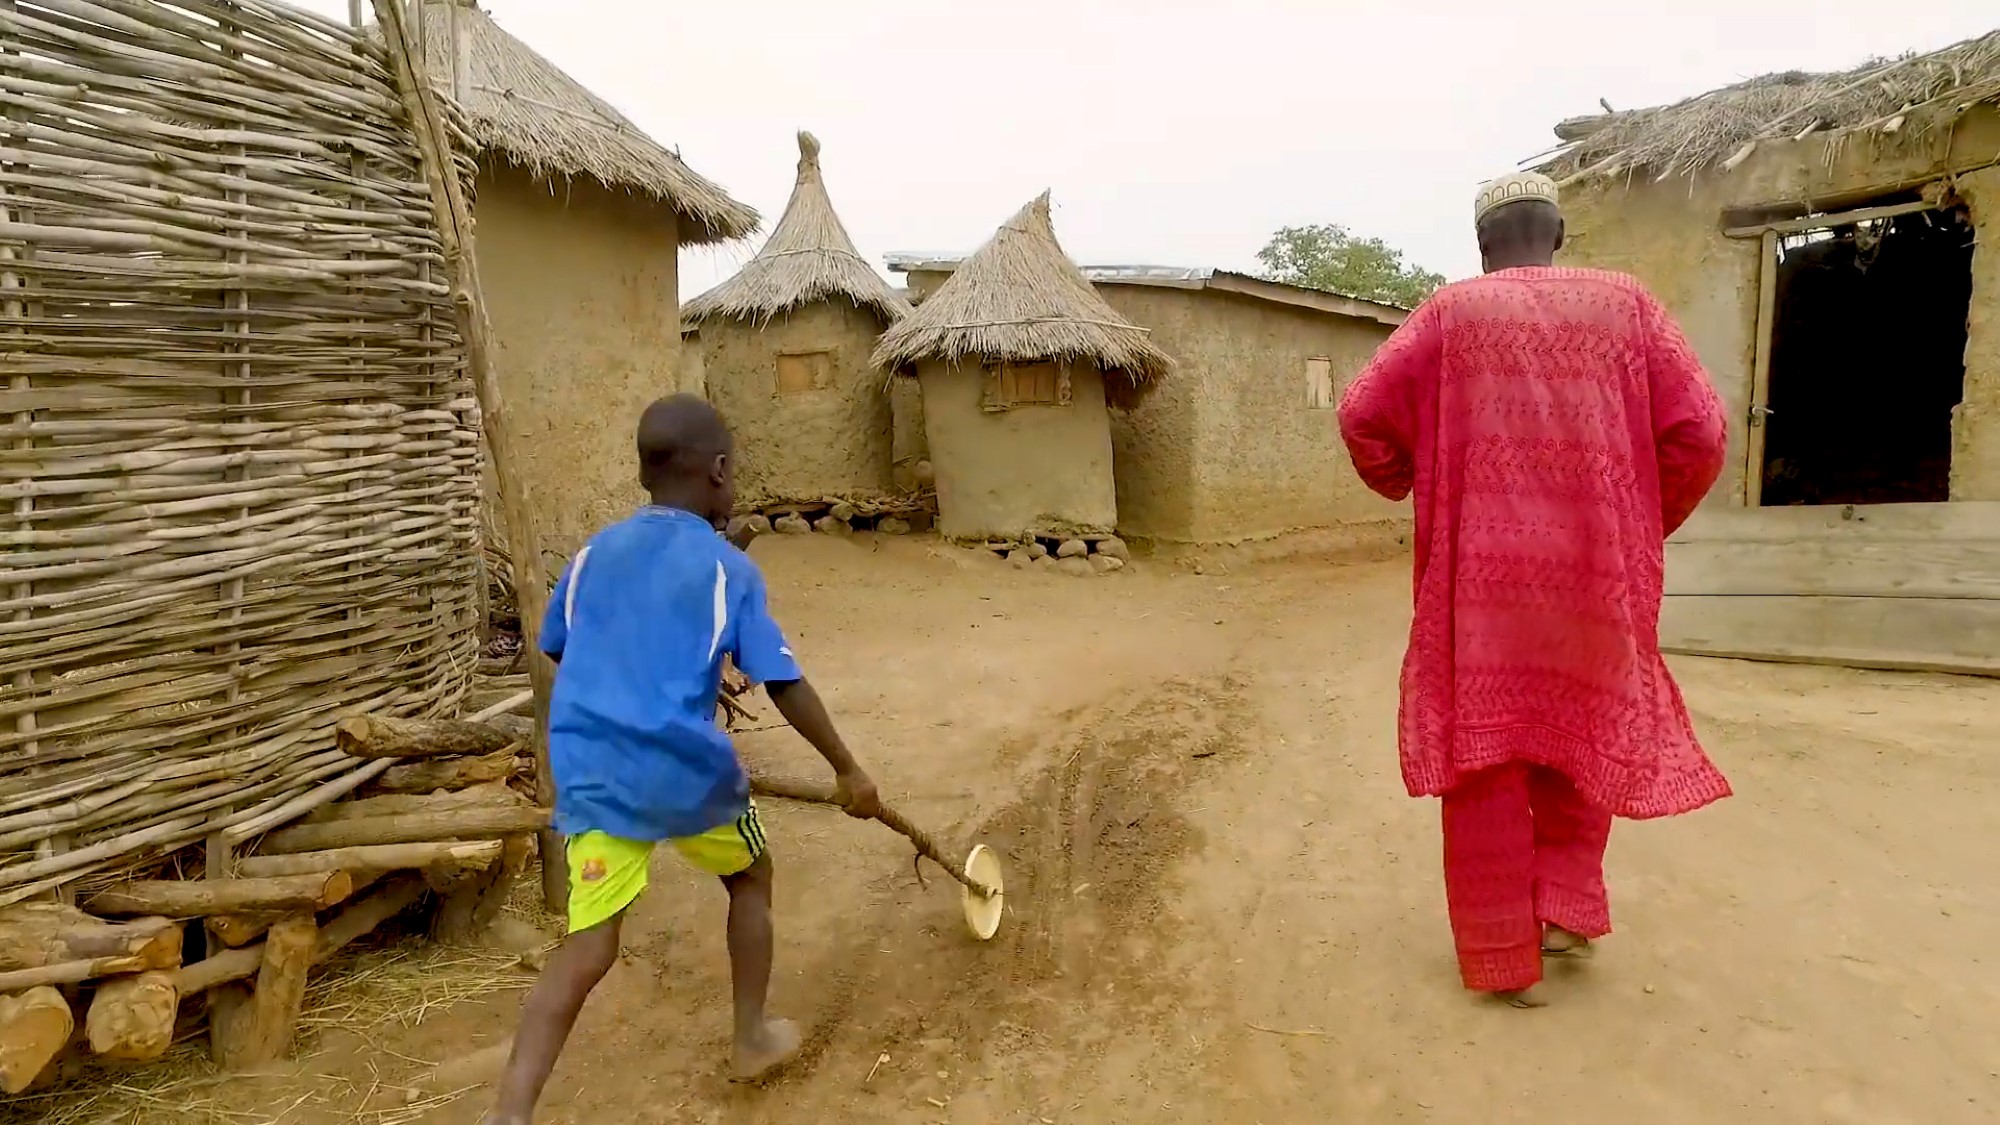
(239, 466)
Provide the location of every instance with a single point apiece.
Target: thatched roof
(1905, 97)
(521, 106)
(809, 258)
(1020, 298)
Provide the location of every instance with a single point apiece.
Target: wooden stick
(33, 1027)
(454, 217)
(353, 922)
(132, 1018)
(239, 930)
(506, 706)
(171, 898)
(468, 910)
(386, 857)
(795, 789)
(379, 736)
(412, 828)
(251, 1029)
(489, 795)
(72, 972)
(292, 810)
(450, 773)
(33, 935)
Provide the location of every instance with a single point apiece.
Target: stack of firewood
(442, 821)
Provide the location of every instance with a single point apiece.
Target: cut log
(132, 1018)
(386, 857)
(351, 923)
(255, 1028)
(467, 911)
(475, 823)
(378, 736)
(71, 972)
(454, 773)
(238, 930)
(34, 1027)
(200, 898)
(38, 934)
(490, 794)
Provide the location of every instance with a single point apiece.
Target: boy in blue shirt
(639, 624)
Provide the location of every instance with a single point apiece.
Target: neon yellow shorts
(607, 873)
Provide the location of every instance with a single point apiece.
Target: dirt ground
(1223, 908)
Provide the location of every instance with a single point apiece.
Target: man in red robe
(1552, 427)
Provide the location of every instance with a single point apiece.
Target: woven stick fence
(239, 457)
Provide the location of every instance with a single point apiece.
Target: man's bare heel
(1558, 942)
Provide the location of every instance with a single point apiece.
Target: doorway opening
(1867, 359)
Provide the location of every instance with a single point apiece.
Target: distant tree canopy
(1330, 257)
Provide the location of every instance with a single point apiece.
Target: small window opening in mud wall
(804, 372)
(1320, 391)
(1009, 385)
(1867, 359)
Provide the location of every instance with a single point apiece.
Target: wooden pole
(1760, 373)
(252, 1027)
(455, 230)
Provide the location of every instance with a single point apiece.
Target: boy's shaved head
(684, 448)
(679, 435)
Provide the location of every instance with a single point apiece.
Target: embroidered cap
(1517, 188)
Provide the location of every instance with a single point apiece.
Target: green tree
(1330, 257)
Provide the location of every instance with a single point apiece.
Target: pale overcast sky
(1171, 132)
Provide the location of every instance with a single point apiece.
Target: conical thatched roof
(521, 106)
(1020, 298)
(1902, 98)
(809, 258)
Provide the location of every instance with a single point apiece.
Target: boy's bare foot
(1558, 942)
(755, 1059)
(1530, 997)
(497, 1118)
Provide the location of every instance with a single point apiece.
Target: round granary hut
(784, 349)
(1020, 362)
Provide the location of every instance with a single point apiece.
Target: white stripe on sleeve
(721, 609)
(569, 593)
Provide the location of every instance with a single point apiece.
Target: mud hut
(1236, 446)
(1831, 244)
(581, 220)
(1020, 360)
(783, 349)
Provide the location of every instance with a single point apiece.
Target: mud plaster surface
(582, 291)
(833, 441)
(1040, 469)
(1228, 447)
(1224, 909)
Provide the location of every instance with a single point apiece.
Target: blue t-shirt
(640, 622)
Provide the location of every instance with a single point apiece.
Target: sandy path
(1225, 909)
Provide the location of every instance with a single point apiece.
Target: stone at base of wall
(1361, 542)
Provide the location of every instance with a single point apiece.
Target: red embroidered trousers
(1521, 848)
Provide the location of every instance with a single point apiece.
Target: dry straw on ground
(1021, 299)
(809, 258)
(520, 105)
(1904, 99)
(239, 458)
(392, 983)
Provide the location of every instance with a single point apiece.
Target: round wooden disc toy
(983, 912)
